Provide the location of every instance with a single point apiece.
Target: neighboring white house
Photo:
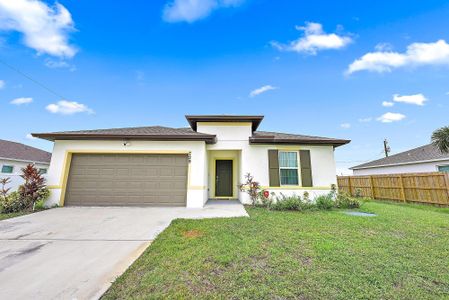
(15, 156)
(185, 166)
(422, 159)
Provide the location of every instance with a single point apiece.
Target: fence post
(371, 182)
(402, 187)
(349, 185)
(446, 177)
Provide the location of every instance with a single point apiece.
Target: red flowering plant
(252, 188)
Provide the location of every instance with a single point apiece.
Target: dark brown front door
(223, 178)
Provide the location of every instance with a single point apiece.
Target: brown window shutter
(273, 166)
(306, 168)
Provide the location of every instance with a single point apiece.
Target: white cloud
(417, 54)
(345, 125)
(22, 100)
(57, 64)
(314, 39)
(417, 99)
(387, 104)
(30, 137)
(383, 47)
(2, 84)
(262, 90)
(192, 10)
(390, 117)
(45, 29)
(64, 107)
(365, 120)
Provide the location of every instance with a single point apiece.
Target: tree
(440, 138)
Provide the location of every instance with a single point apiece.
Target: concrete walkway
(76, 252)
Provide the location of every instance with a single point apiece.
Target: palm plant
(440, 138)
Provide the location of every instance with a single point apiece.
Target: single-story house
(15, 156)
(427, 158)
(185, 166)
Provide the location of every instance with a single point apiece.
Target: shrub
(29, 195)
(9, 202)
(287, 203)
(343, 200)
(34, 188)
(12, 203)
(293, 202)
(252, 188)
(325, 202)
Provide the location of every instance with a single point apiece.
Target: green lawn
(403, 253)
(12, 215)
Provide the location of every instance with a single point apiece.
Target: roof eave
(209, 139)
(194, 119)
(335, 143)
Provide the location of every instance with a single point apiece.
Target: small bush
(325, 202)
(343, 200)
(12, 203)
(252, 188)
(287, 203)
(293, 202)
(31, 195)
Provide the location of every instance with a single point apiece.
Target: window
(42, 171)
(7, 169)
(443, 168)
(288, 168)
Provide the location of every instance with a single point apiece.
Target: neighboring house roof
(266, 137)
(194, 119)
(157, 133)
(18, 151)
(421, 154)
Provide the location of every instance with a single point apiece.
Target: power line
(33, 80)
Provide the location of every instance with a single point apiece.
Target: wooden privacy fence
(431, 188)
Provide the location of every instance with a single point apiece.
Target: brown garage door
(127, 179)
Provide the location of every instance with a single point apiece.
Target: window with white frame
(288, 167)
(7, 169)
(443, 168)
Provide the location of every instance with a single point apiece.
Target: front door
(223, 178)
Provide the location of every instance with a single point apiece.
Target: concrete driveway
(76, 252)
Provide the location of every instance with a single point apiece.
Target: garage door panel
(127, 179)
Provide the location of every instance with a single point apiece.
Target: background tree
(440, 138)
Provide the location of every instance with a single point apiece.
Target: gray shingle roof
(167, 133)
(13, 150)
(148, 132)
(288, 138)
(424, 153)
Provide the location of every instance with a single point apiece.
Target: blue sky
(350, 69)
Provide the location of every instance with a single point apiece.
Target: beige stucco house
(185, 166)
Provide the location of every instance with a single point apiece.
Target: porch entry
(223, 178)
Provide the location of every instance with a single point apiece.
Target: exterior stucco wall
(254, 160)
(409, 168)
(16, 180)
(197, 179)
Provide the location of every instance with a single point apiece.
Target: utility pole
(387, 148)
